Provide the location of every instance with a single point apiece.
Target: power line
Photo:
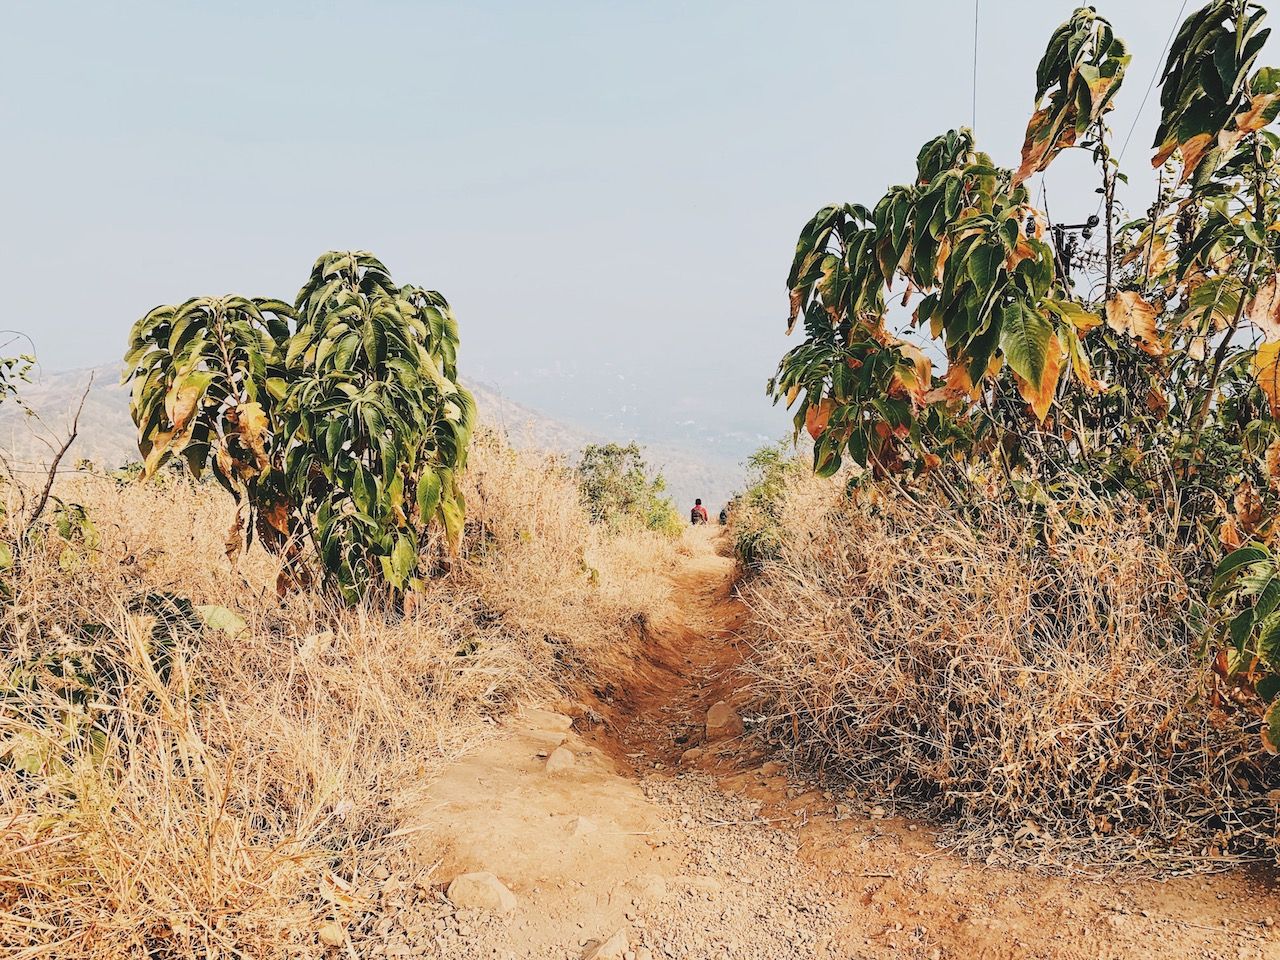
(1155, 73)
(973, 120)
(1151, 85)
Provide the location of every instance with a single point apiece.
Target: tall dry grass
(1036, 683)
(212, 793)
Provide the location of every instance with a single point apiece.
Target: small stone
(644, 953)
(580, 826)
(535, 719)
(692, 755)
(769, 768)
(332, 935)
(481, 891)
(615, 948)
(723, 721)
(380, 872)
(560, 760)
(877, 812)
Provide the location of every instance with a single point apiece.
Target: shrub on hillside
(618, 489)
(1037, 682)
(191, 767)
(754, 513)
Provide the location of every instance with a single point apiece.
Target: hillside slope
(107, 436)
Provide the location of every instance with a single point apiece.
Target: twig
(52, 474)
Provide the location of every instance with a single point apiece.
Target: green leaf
(1232, 562)
(1025, 338)
(1269, 642)
(984, 265)
(428, 494)
(1268, 686)
(404, 558)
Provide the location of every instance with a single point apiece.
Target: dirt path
(620, 832)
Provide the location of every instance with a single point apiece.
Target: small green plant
(617, 488)
(337, 422)
(755, 513)
(1246, 599)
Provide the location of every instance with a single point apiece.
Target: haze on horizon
(608, 194)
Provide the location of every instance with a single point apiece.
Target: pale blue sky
(608, 193)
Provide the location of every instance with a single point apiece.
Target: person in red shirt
(698, 514)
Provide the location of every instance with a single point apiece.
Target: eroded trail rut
(622, 832)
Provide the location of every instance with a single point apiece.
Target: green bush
(336, 422)
(754, 514)
(617, 489)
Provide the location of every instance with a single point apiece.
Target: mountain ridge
(106, 433)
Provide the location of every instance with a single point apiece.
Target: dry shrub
(1036, 683)
(203, 791)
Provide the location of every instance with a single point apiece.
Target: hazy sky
(609, 193)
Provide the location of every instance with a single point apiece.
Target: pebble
(561, 760)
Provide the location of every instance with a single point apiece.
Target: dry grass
(1041, 691)
(213, 799)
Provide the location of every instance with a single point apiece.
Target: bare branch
(43, 500)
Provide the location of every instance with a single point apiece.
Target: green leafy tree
(1145, 364)
(617, 488)
(336, 422)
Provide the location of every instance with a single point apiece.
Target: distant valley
(693, 465)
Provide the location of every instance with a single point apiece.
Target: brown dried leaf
(1129, 313)
(1263, 311)
(817, 416)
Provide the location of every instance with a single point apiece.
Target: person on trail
(698, 514)
(724, 515)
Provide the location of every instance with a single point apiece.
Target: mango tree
(1129, 355)
(336, 422)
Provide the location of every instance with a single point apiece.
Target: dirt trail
(618, 842)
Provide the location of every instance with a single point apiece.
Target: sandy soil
(623, 833)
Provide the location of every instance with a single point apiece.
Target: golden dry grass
(1036, 684)
(226, 790)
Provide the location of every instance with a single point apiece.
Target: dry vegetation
(1035, 683)
(196, 791)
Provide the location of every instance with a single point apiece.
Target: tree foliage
(336, 421)
(1146, 364)
(618, 488)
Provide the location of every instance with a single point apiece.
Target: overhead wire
(973, 121)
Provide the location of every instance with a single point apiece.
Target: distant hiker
(698, 514)
(724, 515)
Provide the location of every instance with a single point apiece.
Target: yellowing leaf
(1033, 352)
(1271, 727)
(1129, 313)
(1266, 368)
(1040, 396)
(183, 398)
(918, 379)
(1079, 359)
(1042, 144)
(220, 618)
(1273, 461)
(959, 384)
(1081, 319)
(252, 420)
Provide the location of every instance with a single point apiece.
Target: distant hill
(106, 433)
